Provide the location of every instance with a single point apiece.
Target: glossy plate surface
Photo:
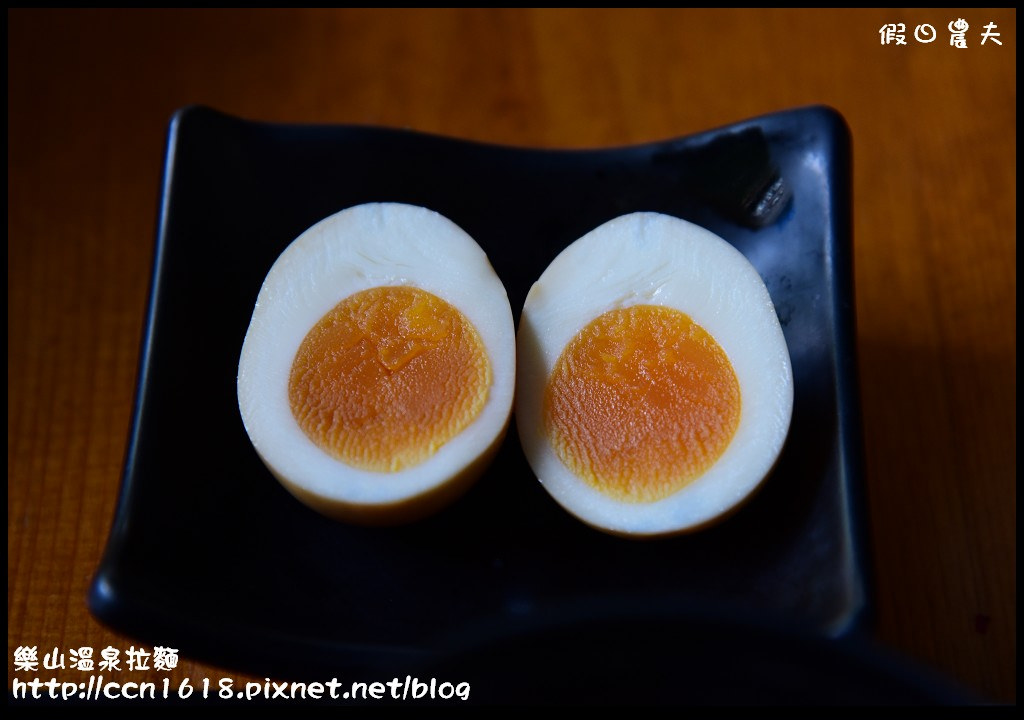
(210, 555)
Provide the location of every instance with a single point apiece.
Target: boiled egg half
(377, 374)
(654, 388)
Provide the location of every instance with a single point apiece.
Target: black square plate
(208, 553)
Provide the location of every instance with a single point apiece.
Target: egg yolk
(387, 377)
(641, 402)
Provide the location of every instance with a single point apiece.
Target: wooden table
(934, 130)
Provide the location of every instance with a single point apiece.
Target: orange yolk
(387, 377)
(641, 402)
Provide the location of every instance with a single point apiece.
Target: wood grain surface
(90, 94)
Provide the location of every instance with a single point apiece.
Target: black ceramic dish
(210, 555)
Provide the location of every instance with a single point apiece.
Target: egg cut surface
(654, 383)
(377, 375)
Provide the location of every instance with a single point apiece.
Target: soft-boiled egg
(377, 375)
(654, 383)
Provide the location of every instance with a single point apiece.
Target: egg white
(656, 259)
(366, 246)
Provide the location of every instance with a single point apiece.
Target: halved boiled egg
(377, 374)
(654, 388)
